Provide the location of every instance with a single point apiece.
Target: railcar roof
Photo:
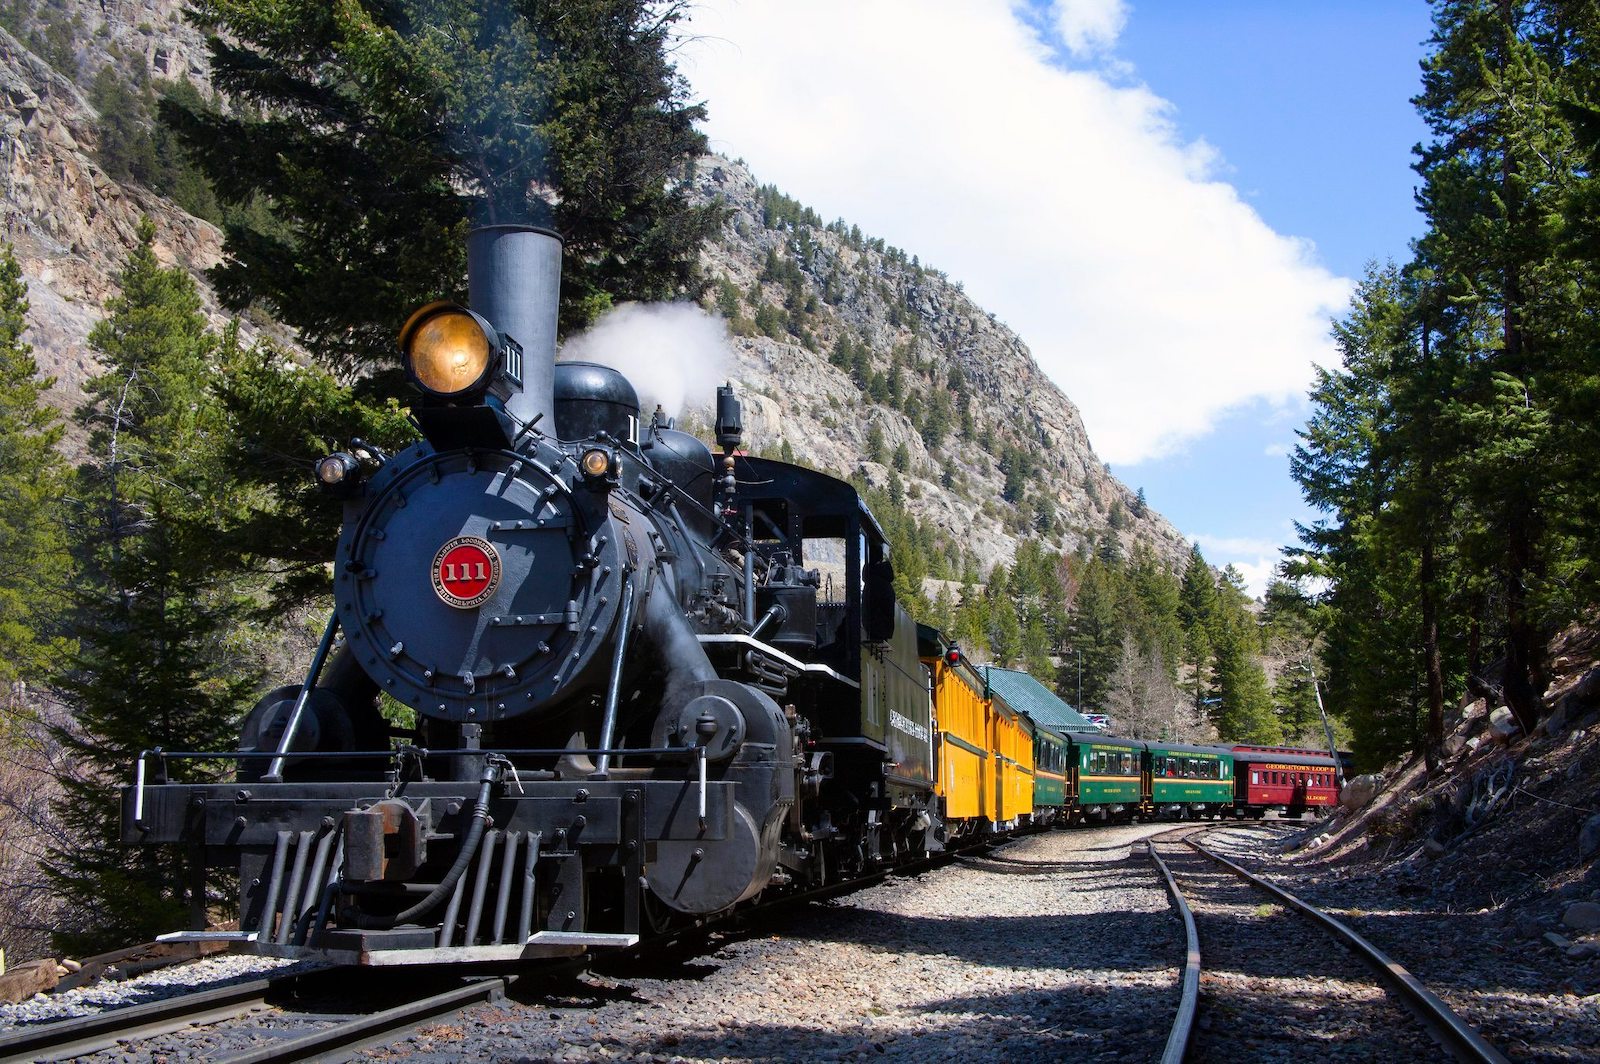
(1096, 739)
(1022, 692)
(1254, 757)
(1183, 748)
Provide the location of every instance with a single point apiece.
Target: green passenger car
(1188, 781)
(1105, 778)
(1049, 774)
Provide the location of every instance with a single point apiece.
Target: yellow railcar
(961, 720)
(1011, 740)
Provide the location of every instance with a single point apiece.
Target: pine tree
(157, 663)
(33, 555)
(1197, 608)
(377, 132)
(1241, 702)
(1495, 172)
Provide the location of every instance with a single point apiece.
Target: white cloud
(1277, 450)
(1068, 205)
(1255, 559)
(1089, 26)
(1233, 546)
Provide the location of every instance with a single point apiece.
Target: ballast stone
(1582, 916)
(1589, 837)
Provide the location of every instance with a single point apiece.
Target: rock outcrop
(916, 319)
(71, 224)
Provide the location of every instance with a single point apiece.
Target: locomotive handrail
(275, 769)
(140, 780)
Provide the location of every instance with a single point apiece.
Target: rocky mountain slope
(70, 224)
(869, 362)
(853, 356)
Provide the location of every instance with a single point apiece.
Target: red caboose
(1284, 778)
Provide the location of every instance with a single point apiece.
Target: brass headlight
(448, 350)
(596, 463)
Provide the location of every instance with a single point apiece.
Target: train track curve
(1437, 1019)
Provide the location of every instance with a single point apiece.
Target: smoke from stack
(674, 353)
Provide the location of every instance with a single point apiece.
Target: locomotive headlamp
(449, 350)
(339, 473)
(596, 463)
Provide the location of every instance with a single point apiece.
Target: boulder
(1434, 849)
(1556, 722)
(1558, 941)
(1503, 724)
(1582, 916)
(1589, 837)
(1473, 718)
(1453, 745)
(28, 979)
(1359, 791)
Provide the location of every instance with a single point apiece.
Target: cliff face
(70, 224)
(796, 289)
(852, 356)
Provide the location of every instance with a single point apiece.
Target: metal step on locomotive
(649, 682)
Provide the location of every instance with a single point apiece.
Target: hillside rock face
(70, 224)
(835, 285)
(792, 288)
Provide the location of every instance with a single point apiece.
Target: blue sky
(1167, 199)
(1309, 105)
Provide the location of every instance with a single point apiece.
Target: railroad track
(342, 1034)
(1194, 865)
(293, 1035)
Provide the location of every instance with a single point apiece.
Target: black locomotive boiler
(649, 682)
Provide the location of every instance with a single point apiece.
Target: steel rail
(1189, 993)
(1449, 1029)
(342, 1039)
(61, 1039)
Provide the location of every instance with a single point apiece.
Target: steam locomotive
(646, 682)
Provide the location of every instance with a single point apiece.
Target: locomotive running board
(540, 945)
(582, 938)
(207, 936)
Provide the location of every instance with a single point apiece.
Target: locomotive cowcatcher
(648, 682)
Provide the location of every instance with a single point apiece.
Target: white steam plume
(674, 353)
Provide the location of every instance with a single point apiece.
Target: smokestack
(514, 280)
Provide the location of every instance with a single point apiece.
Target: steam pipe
(749, 568)
(608, 723)
(275, 768)
(676, 643)
(775, 612)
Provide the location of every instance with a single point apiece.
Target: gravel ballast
(1273, 986)
(984, 958)
(1492, 966)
